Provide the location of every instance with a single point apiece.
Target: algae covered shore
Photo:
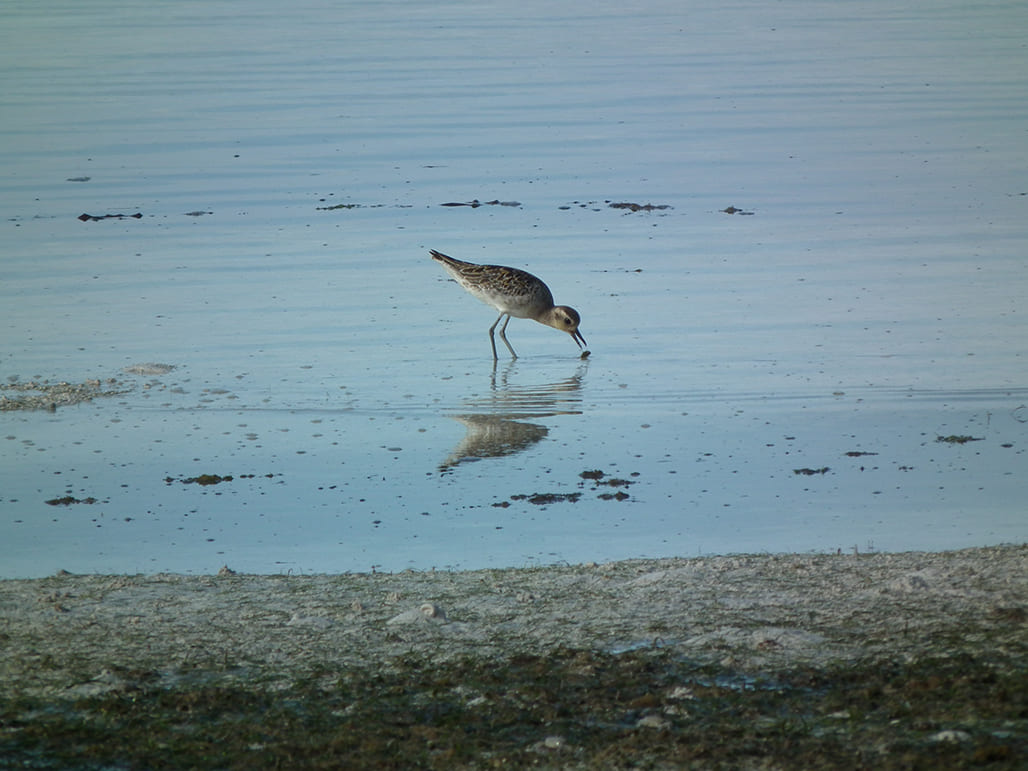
(912, 660)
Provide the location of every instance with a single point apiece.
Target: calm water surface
(291, 168)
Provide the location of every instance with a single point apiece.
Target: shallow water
(291, 168)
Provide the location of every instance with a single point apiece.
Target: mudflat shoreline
(682, 633)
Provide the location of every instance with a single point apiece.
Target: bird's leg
(503, 337)
(493, 339)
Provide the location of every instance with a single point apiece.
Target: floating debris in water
(639, 207)
(203, 479)
(541, 499)
(149, 368)
(98, 217)
(214, 479)
(955, 439)
(474, 204)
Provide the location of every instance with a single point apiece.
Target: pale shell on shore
(426, 612)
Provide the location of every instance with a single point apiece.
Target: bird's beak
(579, 340)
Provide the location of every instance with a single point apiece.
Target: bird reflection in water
(501, 422)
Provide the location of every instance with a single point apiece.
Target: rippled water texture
(795, 234)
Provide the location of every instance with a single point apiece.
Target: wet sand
(70, 638)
